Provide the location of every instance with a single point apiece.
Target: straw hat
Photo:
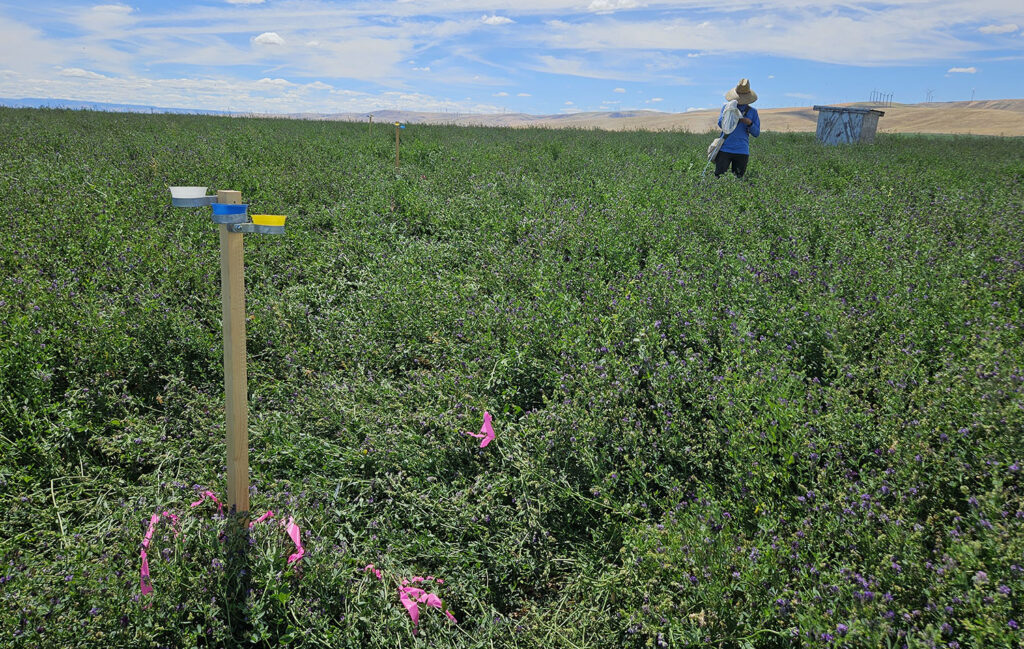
(742, 93)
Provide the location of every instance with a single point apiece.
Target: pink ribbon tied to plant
(486, 434)
(210, 495)
(144, 580)
(411, 597)
(376, 573)
(268, 514)
(293, 531)
(290, 528)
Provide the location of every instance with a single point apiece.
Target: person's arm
(721, 114)
(755, 123)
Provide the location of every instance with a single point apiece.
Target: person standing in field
(735, 149)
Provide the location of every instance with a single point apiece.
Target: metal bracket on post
(253, 228)
(194, 203)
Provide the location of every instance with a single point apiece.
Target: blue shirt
(738, 140)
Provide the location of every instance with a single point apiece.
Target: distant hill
(989, 117)
(73, 104)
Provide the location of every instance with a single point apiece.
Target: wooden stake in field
(236, 404)
(233, 217)
(369, 128)
(398, 126)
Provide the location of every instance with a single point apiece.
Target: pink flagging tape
(213, 497)
(293, 531)
(411, 596)
(486, 434)
(268, 514)
(144, 580)
(145, 585)
(406, 596)
(174, 521)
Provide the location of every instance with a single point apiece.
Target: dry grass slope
(994, 117)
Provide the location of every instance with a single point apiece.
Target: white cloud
(693, 109)
(771, 76)
(104, 19)
(425, 68)
(281, 83)
(523, 94)
(81, 74)
(244, 2)
(970, 70)
(268, 38)
(619, 90)
(496, 20)
(112, 9)
(657, 99)
(609, 6)
(798, 95)
(568, 103)
(999, 29)
(896, 35)
(500, 94)
(615, 65)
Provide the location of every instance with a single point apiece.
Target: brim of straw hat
(745, 98)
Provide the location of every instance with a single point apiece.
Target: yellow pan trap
(268, 219)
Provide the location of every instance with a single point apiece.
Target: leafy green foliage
(778, 412)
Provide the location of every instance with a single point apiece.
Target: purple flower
(1012, 624)
(841, 629)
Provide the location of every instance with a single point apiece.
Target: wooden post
(369, 128)
(236, 398)
(396, 146)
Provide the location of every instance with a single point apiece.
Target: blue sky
(534, 56)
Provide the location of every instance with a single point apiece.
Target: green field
(780, 412)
